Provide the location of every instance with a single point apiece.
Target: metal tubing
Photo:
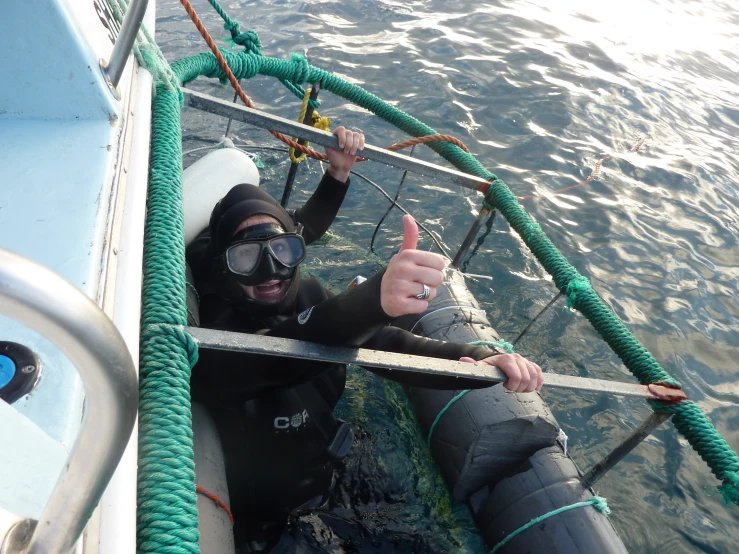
(265, 120)
(617, 454)
(122, 47)
(259, 344)
(39, 298)
(294, 166)
(471, 234)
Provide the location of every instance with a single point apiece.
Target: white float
(208, 180)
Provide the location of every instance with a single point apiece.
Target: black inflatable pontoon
(498, 451)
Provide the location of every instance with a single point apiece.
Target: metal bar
(230, 119)
(617, 454)
(39, 298)
(264, 120)
(273, 346)
(471, 234)
(393, 204)
(294, 166)
(122, 47)
(536, 317)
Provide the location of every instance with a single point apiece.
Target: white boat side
(73, 175)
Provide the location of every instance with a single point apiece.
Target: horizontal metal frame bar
(258, 118)
(289, 348)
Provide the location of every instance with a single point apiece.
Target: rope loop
(156, 330)
(243, 67)
(597, 502)
(301, 68)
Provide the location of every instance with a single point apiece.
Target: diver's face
(268, 292)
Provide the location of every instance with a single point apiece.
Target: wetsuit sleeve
(393, 339)
(348, 319)
(319, 211)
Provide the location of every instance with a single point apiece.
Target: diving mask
(263, 253)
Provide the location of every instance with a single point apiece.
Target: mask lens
(289, 250)
(243, 258)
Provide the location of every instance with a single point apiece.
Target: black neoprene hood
(242, 202)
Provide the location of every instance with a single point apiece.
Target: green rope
(441, 413)
(167, 514)
(597, 502)
(251, 43)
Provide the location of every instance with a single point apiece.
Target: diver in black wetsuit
(275, 415)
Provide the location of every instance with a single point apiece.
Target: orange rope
(215, 498)
(247, 101)
(428, 138)
(594, 175)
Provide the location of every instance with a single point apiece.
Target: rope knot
(250, 41)
(730, 488)
(320, 122)
(574, 288)
(301, 68)
(233, 27)
(600, 504)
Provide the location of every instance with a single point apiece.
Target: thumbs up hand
(407, 273)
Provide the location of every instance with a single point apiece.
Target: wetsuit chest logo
(303, 317)
(296, 420)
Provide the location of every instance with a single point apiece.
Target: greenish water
(540, 91)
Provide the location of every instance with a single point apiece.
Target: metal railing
(42, 300)
(264, 120)
(113, 69)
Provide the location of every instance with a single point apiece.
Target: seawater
(539, 91)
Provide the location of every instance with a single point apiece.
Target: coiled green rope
(167, 516)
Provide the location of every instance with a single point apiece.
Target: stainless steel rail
(113, 70)
(264, 120)
(39, 298)
(258, 344)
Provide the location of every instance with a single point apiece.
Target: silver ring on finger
(531, 366)
(426, 294)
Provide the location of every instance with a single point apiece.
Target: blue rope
(597, 502)
(507, 346)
